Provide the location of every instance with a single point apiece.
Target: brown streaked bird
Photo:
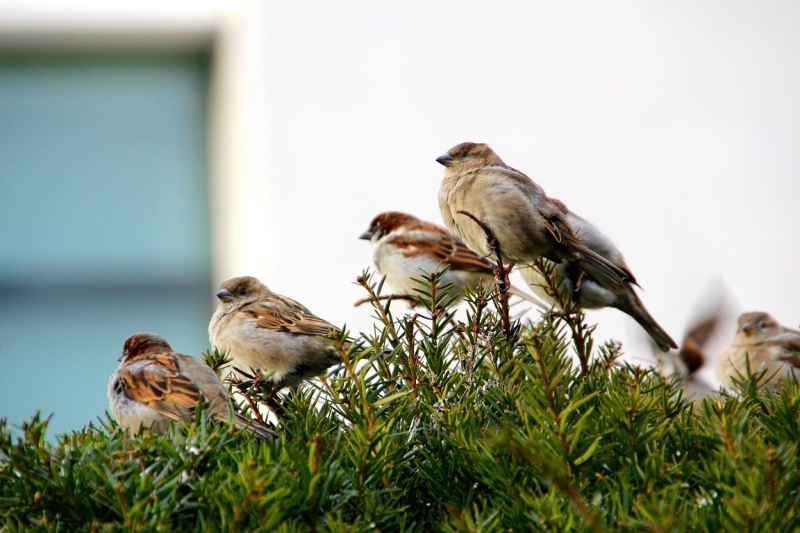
(265, 331)
(691, 357)
(526, 223)
(596, 292)
(766, 344)
(403, 247)
(154, 386)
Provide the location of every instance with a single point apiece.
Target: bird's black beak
(367, 235)
(748, 328)
(445, 160)
(225, 295)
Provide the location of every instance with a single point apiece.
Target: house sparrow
(404, 246)
(272, 333)
(526, 223)
(766, 344)
(691, 357)
(596, 292)
(154, 385)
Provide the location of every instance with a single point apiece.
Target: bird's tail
(634, 307)
(255, 428)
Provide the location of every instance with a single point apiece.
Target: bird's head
(142, 344)
(237, 292)
(468, 156)
(756, 325)
(385, 223)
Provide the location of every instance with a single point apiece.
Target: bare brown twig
(410, 299)
(500, 272)
(260, 387)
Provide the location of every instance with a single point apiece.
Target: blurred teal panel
(102, 168)
(103, 223)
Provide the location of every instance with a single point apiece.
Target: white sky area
(672, 126)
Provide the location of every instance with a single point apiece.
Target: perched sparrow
(272, 333)
(526, 223)
(596, 292)
(404, 246)
(766, 344)
(154, 385)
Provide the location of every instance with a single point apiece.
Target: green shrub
(434, 424)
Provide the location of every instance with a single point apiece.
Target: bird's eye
(761, 325)
(241, 292)
(462, 155)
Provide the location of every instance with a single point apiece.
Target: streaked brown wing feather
(279, 313)
(553, 218)
(789, 342)
(692, 350)
(161, 386)
(462, 258)
(443, 247)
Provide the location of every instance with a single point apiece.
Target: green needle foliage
(433, 424)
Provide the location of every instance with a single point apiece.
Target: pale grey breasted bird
(525, 221)
(259, 329)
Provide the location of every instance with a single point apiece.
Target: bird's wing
(789, 341)
(441, 247)
(157, 382)
(279, 313)
(692, 350)
(554, 220)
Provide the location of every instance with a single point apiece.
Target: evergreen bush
(434, 424)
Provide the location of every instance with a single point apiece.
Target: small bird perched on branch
(590, 292)
(403, 247)
(526, 223)
(766, 345)
(265, 331)
(154, 385)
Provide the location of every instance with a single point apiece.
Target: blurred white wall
(673, 126)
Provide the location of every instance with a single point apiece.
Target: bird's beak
(445, 160)
(367, 235)
(748, 328)
(225, 295)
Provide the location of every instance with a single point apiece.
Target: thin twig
(405, 297)
(570, 313)
(480, 304)
(261, 386)
(500, 272)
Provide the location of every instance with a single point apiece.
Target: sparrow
(265, 331)
(154, 386)
(525, 221)
(767, 345)
(596, 292)
(403, 247)
(691, 357)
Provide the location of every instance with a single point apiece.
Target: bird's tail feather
(636, 310)
(255, 428)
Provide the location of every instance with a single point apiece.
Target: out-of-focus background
(150, 150)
